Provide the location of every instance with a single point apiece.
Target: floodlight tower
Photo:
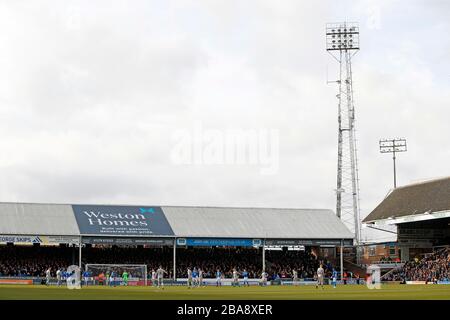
(393, 146)
(342, 45)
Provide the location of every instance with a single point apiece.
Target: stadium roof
(256, 223)
(212, 222)
(420, 201)
(37, 219)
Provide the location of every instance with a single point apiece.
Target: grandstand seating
(433, 267)
(33, 261)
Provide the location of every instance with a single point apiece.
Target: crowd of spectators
(34, 261)
(432, 268)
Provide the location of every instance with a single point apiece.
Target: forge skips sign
(121, 220)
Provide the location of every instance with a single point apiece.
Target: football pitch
(347, 292)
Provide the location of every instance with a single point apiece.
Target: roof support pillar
(264, 256)
(342, 259)
(174, 259)
(80, 244)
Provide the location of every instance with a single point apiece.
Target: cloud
(91, 93)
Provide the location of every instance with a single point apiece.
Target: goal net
(116, 274)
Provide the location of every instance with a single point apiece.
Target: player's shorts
(320, 279)
(334, 279)
(245, 278)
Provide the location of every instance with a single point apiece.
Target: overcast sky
(95, 94)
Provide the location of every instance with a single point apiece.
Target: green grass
(348, 292)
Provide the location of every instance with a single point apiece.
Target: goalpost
(137, 273)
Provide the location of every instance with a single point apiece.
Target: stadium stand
(432, 268)
(34, 237)
(414, 199)
(34, 260)
(21, 261)
(421, 214)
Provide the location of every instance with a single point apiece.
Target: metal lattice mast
(343, 44)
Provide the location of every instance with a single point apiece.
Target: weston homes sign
(121, 220)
